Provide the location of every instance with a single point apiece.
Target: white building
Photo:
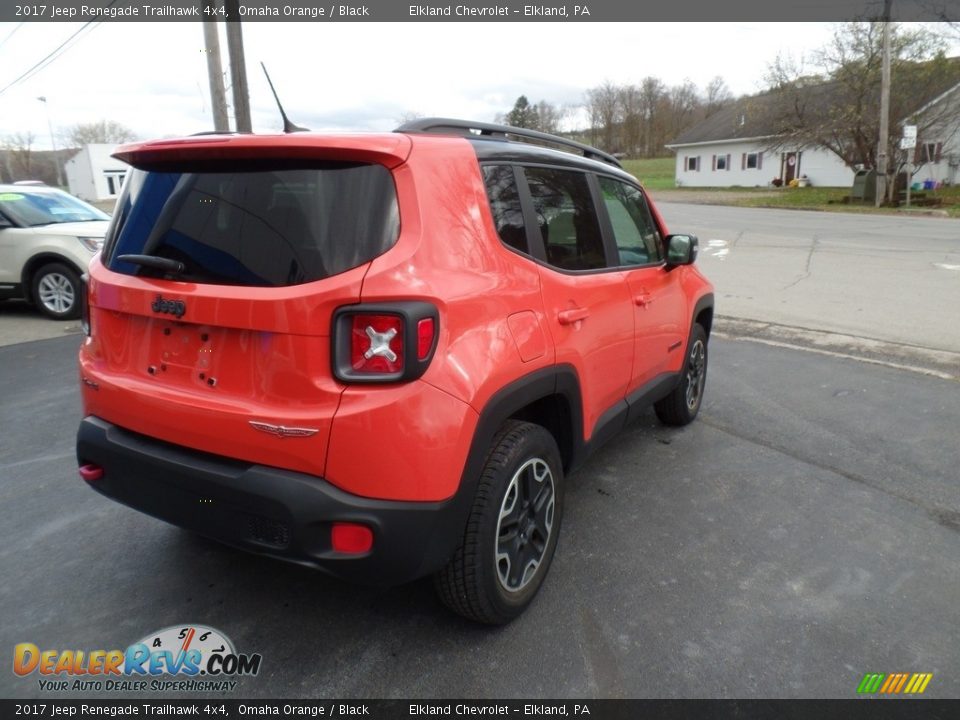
(739, 146)
(93, 175)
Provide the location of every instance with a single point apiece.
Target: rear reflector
(90, 472)
(425, 331)
(351, 538)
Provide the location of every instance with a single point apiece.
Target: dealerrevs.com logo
(178, 658)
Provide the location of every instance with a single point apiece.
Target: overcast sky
(152, 77)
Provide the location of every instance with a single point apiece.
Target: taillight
(376, 343)
(384, 342)
(85, 305)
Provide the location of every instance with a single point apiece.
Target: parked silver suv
(47, 239)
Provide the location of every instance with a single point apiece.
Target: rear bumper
(269, 511)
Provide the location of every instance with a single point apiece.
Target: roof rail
(491, 130)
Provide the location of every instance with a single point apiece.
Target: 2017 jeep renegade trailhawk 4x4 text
(380, 355)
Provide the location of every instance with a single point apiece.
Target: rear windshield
(260, 227)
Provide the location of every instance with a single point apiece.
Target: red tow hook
(90, 472)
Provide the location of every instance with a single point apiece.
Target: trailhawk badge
(282, 431)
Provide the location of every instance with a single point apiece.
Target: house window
(721, 162)
(114, 181)
(753, 160)
(693, 163)
(929, 152)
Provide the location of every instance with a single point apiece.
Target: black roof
(506, 143)
(507, 151)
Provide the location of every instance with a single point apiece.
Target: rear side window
(504, 197)
(567, 218)
(261, 227)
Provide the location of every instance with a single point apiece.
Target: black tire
(56, 291)
(516, 516)
(681, 406)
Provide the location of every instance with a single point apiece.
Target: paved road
(803, 532)
(20, 322)
(892, 278)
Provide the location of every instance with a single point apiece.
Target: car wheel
(681, 406)
(512, 531)
(56, 291)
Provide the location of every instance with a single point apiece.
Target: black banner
(473, 11)
(872, 709)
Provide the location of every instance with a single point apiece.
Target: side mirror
(682, 249)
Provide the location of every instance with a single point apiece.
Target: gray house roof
(765, 115)
(746, 118)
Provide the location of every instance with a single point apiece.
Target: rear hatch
(211, 306)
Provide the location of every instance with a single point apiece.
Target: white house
(739, 146)
(93, 175)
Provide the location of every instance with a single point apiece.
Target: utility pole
(238, 67)
(53, 142)
(884, 110)
(211, 40)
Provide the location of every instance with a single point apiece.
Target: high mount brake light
(384, 342)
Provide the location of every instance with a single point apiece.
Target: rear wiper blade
(174, 267)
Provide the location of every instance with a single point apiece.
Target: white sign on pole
(909, 139)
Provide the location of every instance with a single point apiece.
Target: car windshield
(31, 208)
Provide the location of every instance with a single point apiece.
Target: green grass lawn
(814, 198)
(658, 174)
(654, 173)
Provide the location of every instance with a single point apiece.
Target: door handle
(569, 317)
(642, 300)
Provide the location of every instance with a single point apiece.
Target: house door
(789, 167)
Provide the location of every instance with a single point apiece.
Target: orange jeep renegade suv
(379, 355)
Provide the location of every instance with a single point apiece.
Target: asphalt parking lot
(802, 532)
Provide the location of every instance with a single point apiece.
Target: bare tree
(102, 131)
(836, 107)
(631, 103)
(652, 111)
(683, 101)
(408, 117)
(548, 117)
(19, 154)
(603, 107)
(716, 97)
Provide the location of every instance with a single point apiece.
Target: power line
(60, 49)
(10, 34)
(50, 57)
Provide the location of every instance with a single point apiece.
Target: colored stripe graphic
(918, 683)
(870, 683)
(894, 683)
(890, 683)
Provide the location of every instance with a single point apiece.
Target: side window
(567, 218)
(505, 207)
(638, 241)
